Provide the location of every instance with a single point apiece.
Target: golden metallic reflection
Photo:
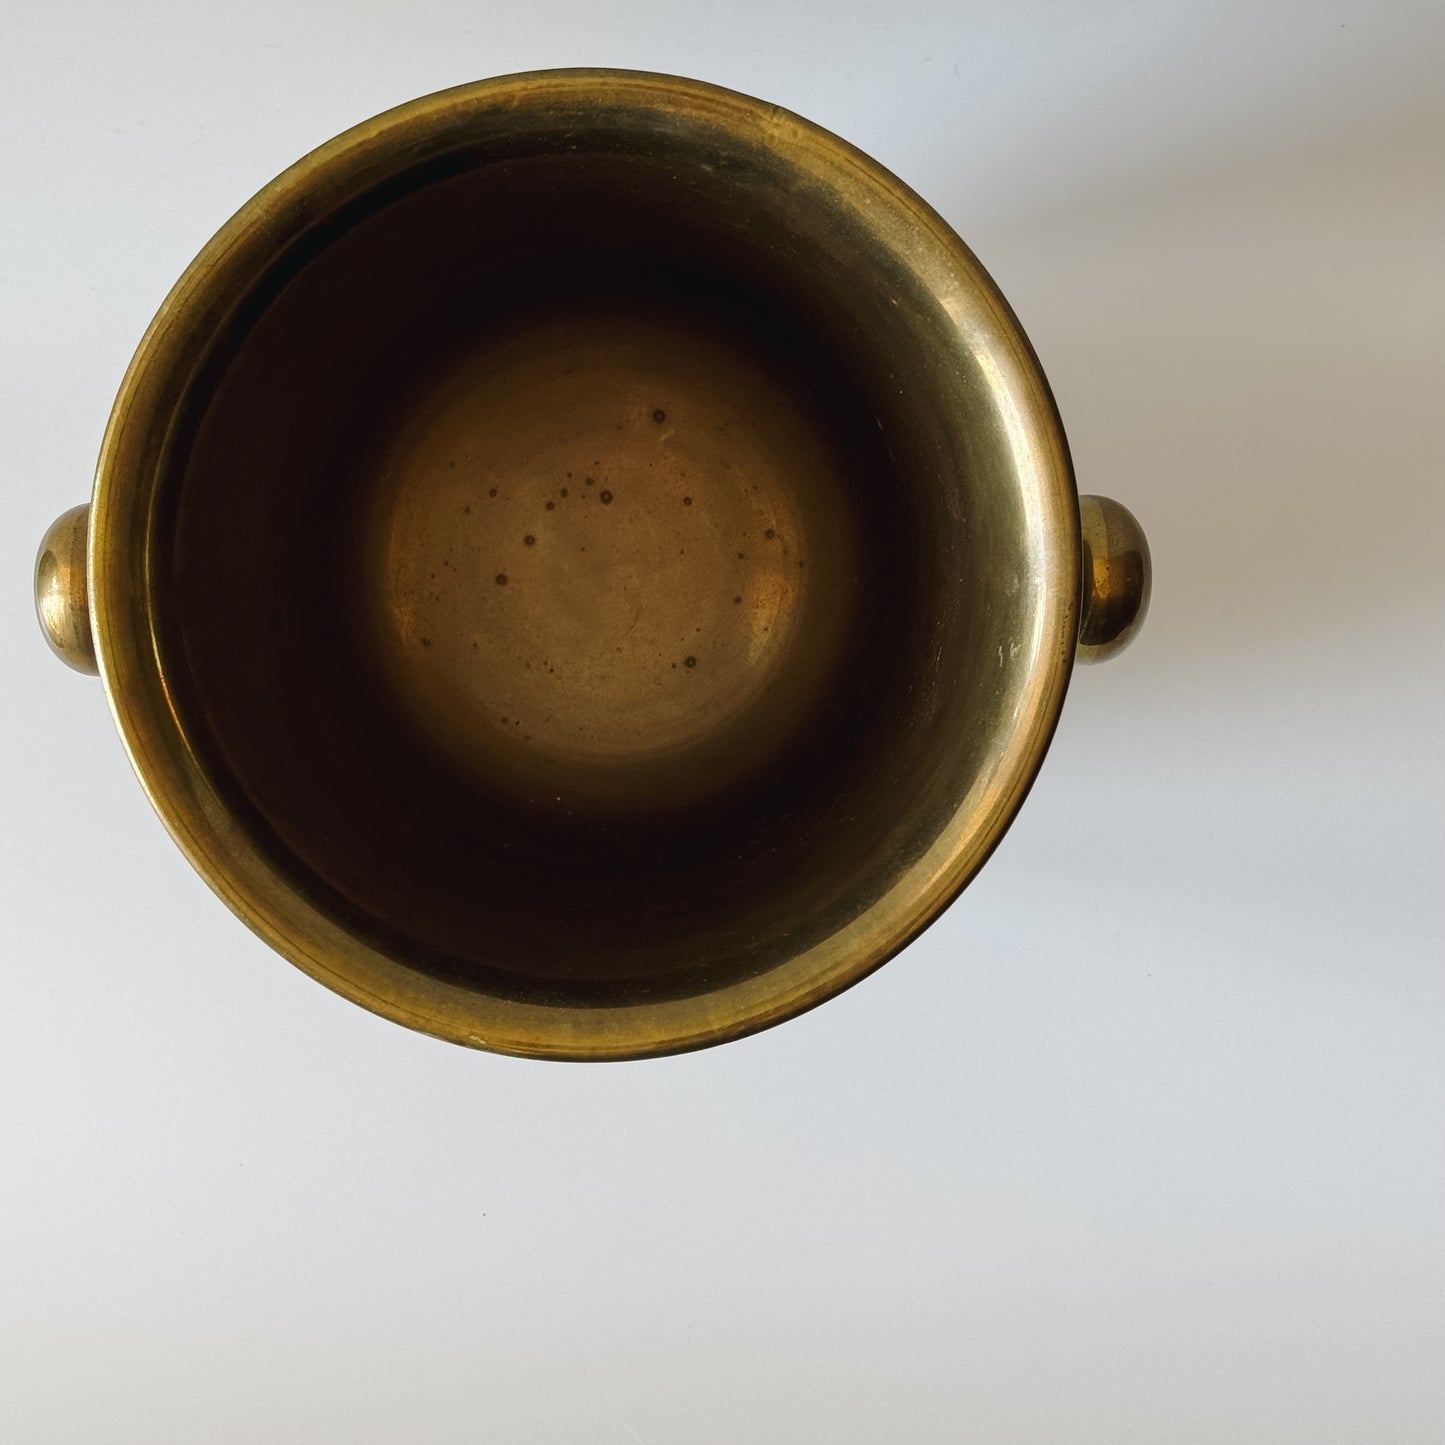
(603, 566)
(61, 590)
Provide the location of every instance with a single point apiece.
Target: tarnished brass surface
(585, 564)
(610, 562)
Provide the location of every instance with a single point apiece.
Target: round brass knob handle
(62, 598)
(1117, 576)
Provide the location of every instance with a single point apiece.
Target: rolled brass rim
(121, 563)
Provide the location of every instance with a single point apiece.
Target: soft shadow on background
(1142, 1141)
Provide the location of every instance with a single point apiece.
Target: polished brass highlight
(1116, 578)
(587, 565)
(61, 595)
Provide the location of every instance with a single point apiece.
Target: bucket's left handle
(62, 590)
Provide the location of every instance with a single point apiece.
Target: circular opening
(589, 563)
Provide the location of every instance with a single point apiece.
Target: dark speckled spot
(501, 579)
(689, 662)
(605, 497)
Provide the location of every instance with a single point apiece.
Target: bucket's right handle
(62, 591)
(1117, 576)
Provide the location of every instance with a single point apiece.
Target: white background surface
(1145, 1141)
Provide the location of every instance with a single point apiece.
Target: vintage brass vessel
(587, 565)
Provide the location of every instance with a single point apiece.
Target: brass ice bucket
(587, 565)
